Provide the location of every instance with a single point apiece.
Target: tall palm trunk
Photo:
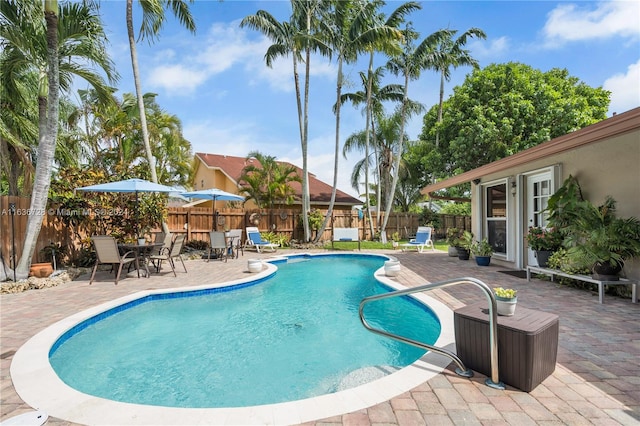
(48, 126)
(366, 145)
(336, 155)
(396, 163)
(139, 94)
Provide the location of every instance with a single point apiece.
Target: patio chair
(254, 239)
(235, 236)
(218, 245)
(422, 240)
(107, 253)
(170, 254)
(166, 240)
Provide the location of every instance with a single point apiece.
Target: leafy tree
(503, 109)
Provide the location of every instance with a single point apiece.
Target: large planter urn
(392, 268)
(41, 270)
(452, 251)
(254, 265)
(543, 257)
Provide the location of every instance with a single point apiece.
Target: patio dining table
(143, 251)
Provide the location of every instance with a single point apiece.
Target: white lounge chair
(422, 240)
(254, 239)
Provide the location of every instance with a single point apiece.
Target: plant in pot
(506, 300)
(544, 242)
(464, 245)
(482, 252)
(453, 238)
(600, 241)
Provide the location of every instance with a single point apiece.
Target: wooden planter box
(527, 344)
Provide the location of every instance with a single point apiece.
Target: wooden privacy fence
(14, 213)
(196, 222)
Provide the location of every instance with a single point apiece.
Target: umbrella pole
(214, 216)
(137, 218)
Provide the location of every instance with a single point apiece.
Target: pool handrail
(494, 380)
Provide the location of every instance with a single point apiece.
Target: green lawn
(376, 245)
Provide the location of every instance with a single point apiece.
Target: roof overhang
(614, 126)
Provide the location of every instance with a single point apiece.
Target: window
(496, 217)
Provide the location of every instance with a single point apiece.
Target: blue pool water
(295, 335)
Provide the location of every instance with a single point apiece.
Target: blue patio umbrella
(213, 194)
(130, 185)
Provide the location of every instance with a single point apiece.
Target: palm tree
(449, 53)
(268, 183)
(31, 44)
(153, 18)
(351, 28)
(387, 45)
(409, 64)
(23, 68)
(292, 38)
(46, 144)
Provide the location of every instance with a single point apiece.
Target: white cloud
(491, 49)
(176, 78)
(568, 22)
(625, 89)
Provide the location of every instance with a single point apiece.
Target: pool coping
(39, 386)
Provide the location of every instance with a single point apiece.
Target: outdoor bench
(586, 278)
(346, 234)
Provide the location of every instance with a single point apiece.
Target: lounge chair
(422, 240)
(107, 253)
(218, 245)
(254, 239)
(170, 254)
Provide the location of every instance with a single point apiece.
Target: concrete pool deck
(596, 381)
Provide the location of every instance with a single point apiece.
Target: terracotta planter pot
(40, 270)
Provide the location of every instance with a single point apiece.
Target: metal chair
(218, 245)
(107, 253)
(170, 254)
(235, 237)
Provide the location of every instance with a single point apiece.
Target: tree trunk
(336, 155)
(139, 95)
(46, 144)
(396, 163)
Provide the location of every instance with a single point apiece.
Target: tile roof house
(509, 195)
(224, 171)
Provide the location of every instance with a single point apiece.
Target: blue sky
(230, 103)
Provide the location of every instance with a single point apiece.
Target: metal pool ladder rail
(461, 370)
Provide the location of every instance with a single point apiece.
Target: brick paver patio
(596, 380)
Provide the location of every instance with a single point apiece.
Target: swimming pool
(296, 335)
(288, 412)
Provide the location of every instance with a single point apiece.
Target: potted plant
(506, 300)
(482, 252)
(544, 242)
(464, 245)
(600, 241)
(453, 237)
